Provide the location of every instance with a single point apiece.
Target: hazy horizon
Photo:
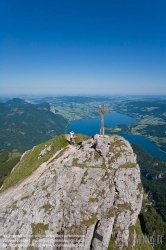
(13, 95)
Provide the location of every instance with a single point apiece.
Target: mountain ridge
(23, 125)
(93, 188)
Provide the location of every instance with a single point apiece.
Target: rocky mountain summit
(86, 196)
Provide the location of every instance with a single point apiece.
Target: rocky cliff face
(86, 197)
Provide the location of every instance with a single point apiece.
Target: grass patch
(25, 197)
(59, 155)
(83, 181)
(112, 244)
(91, 199)
(99, 166)
(79, 138)
(48, 195)
(14, 206)
(139, 244)
(139, 187)
(124, 206)
(44, 188)
(96, 155)
(76, 164)
(91, 221)
(86, 173)
(24, 212)
(38, 230)
(116, 144)
(101, 193)
(17, 232)
(30, 162)
(111, 213)
(105, 177)
(116, 155)
(128, 165)
(46, 207)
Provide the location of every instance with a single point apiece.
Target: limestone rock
(44, 151)
(91, 192)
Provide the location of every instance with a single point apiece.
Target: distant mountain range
(23, 125)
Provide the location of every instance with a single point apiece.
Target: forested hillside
(153, 177)
(8, 160)
(23, 125)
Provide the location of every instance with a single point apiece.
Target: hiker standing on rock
(71, 137)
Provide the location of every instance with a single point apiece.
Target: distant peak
(17, 102)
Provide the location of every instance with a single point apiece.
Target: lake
(144, 143)
(91, 126)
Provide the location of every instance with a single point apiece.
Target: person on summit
(71, 137)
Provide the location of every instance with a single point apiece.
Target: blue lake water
(91, 126)
(144, 143)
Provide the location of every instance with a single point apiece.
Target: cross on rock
(102, 111)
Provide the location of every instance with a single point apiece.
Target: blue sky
(82, 47)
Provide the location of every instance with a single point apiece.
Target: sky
(57, 47)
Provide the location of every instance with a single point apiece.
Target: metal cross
(102, 111)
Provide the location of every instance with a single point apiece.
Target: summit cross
(102, 111)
